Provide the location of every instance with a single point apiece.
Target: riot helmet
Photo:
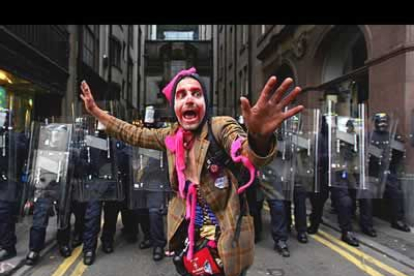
(350, 128)
(381, 121)
(57, 136)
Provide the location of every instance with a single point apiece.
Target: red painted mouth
(189, 114)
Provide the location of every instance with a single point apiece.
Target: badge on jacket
(221, 182)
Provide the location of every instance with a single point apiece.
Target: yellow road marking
(357, 252)
(366, 268)
(362, 255)
(79, 269)
(63, 267)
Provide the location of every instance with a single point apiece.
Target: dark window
(90, 51)
(129, 80)
(116, 52)
(221, 58)
(130, 36)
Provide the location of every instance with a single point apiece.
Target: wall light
(5, 77)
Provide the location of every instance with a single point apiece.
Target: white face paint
(189, 105)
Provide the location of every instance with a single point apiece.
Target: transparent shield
(150, 184)
(13, 159)
(49, 165)
(306, 143)
(100, 178)
(378, 148)
(277, 178)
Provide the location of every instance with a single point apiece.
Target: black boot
(400, 225)
(370, 231)
(107, 247)
(145, 244)
(65, 251)
(313, 228)
(32, 258)
(6, 254)
(76, 241)
(349, 238)
(282, 248)
(88, 257)
(302, 237)
(158, 253)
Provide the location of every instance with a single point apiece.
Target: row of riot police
(352, 158)
(73, 167)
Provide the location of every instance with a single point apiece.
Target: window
(230, 50)
(172, 35)
(90, 49)
(115, 52)
(244, 34)
(221, 58)
(129, 80)
(246, 83)
(177, 66)
(263, 29)
(241, 82)
(131, 36)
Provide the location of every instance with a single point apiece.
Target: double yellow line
(68, 262)
(358, 258)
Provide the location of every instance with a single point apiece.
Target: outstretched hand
(87, 98)
(268, 113)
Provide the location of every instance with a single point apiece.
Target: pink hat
(167, 90)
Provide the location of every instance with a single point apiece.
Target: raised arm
(92, 107)
(128, 133)
(267, 114)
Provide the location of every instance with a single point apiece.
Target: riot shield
(306, 143)
(13, 158)
(344, 151)
(49, 165)
(149, 186)
(347, 144)
(379, 143)
(98, 172)
(277, 178)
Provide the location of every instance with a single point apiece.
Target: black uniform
(393, 189)
(339, 195)
(13, 154)
(156, 179)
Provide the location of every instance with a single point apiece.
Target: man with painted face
(204, 213)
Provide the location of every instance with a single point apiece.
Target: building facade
(34, 70)
(169, 49)
(369, 64)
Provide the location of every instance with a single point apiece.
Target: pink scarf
(175, 143)
(179, 142)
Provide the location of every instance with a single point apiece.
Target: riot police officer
(346, 180)
(13, 153)
(155, 179)
(339, 195)
(393, 189)
(104, 191)
(50, 188)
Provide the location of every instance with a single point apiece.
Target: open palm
(269, 112)
(87, 98)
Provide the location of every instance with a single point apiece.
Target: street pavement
(391, 253)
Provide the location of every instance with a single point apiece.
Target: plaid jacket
(223, 201)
